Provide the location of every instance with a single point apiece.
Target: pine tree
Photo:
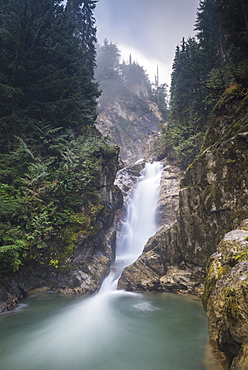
(43, 74)
(159, 95)
(234, 21)
(133, 75)
(108, 62)
(50, 153)
(189, 106)
(200, 75)
(80, 15)
(210, 35)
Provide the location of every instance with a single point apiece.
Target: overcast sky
(150, 30)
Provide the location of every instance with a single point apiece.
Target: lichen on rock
(225, 297)
(209, 230)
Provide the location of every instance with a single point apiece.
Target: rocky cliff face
(213, 201)
(81, 271)
(148, 271)
(225, 298)
(128, 122)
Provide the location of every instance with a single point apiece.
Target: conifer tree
(210, 35)
(44, 76)
(203, 67)
(80, 14)
(50, 157)
(234, 22)
(108, 59)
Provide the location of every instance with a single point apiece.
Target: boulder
(225, 298)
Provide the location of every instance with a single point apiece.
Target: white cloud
(149, 30)
(149, 64)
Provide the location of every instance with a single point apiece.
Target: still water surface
(111, 331)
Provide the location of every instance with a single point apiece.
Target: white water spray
(139, 226)
(80, 336)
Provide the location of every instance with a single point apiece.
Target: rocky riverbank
(213, 201)
(82, 270)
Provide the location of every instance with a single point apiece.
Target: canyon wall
(213, 201)
(128, 122)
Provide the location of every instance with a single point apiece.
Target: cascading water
(115, 329)
(94, 322)
(139, 226)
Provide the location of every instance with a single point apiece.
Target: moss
(117, 149)
(65, 251)
(69, 237)
(222, 271)
(190, 166)
(209, 283)
(54, 263)
(241, 255)
(96, 209)
(228, 161)
(233, 90)
(237, 125)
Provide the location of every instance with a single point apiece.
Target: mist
(150, 31)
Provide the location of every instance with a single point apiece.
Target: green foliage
(125, 79)
(108, 57)
(203, 69)
(43, 76)
(241, 73)
(160, 97)
(47, 196)
(234, 21)
(239, 256)
(51, 157)
(184, 139)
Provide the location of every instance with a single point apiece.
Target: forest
(119, 78)
(51, 155)
(205, 66)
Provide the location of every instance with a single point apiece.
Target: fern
(19, 244)
(23, 147)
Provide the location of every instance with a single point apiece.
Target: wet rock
(209, 231)
(127, 177)
(160, 251)
(82, 269)
(225, 298)
(169, 194)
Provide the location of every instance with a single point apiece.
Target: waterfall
(114, 329)
(139, 225)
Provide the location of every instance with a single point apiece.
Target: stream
(114, 329)
(111, 331)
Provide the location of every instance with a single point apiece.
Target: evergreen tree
(128, 80)
(108, 62)
(80, 15)
(160, 96)
(133, 75)
(202, 70)
(89, 35)
(234, 22)
(187, 119)
(50, 153)
(42, 74)
(210, 35)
